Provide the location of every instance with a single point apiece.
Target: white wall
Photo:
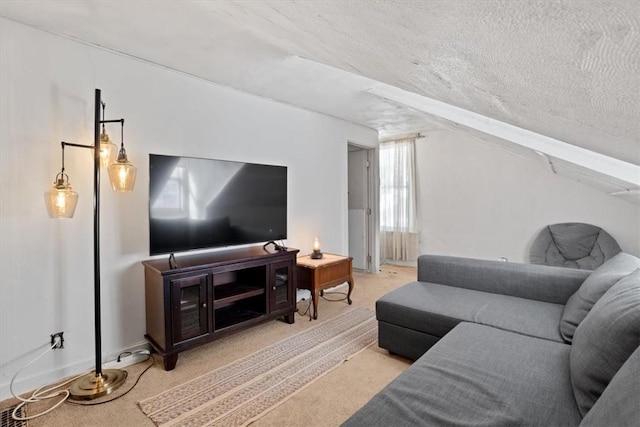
(478, 200)
(47, 85)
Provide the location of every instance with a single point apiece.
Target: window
(398, 217)
(397, 186)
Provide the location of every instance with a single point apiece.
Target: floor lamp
(61, 202)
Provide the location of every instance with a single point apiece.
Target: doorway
(361, 199)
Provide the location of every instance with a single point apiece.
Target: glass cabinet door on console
(280, 292)
(189, 307)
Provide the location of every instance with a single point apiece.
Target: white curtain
(398, 213)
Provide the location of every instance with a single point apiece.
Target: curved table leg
(350, 282)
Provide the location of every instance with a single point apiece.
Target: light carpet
(248, 388)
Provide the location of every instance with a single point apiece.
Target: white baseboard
(127, 360)
(111, 360)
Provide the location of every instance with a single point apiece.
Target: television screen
(204, 203)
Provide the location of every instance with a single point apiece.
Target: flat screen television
(205, 203)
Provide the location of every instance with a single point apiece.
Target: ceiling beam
(624, 171)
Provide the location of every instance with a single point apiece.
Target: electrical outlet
(128, 360)
(57, 340)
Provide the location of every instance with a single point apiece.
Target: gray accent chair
(511, 344)
(573, 245)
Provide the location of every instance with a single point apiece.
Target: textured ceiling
(569, 70)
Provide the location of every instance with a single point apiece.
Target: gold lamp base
(92, 386)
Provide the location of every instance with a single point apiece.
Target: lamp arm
(72, 144)
(113, 121)
(121, 121)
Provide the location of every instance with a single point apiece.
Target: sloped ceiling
(568, 71)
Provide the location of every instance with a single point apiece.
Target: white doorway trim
(371, 197)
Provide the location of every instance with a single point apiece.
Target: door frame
(372, 220)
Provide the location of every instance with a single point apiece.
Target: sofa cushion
(592, 289)
(436, 309)
(481, 376)
(619, 404)
(605, 339)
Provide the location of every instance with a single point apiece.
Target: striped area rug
(241, 392)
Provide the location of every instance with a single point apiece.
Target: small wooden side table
(319, 274)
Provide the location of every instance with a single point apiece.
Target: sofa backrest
(604, 340)
(619, 404)
(580, 303)
(537, 282)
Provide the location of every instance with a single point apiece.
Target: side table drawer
(339, 272)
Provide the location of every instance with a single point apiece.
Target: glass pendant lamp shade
(122, 173)
(107, 150)
(61, 200)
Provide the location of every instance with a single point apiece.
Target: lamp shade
(107, 150)
(122, 175)
(61, 200)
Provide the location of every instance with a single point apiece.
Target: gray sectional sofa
(509, 344)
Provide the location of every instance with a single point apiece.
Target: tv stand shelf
(208, 296)
(230, 294)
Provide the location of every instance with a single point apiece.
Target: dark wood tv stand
(208, 296)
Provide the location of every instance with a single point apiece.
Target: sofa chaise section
(450, 290)
(463, 380)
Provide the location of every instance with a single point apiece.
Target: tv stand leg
(170, 361)
(290, 318)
